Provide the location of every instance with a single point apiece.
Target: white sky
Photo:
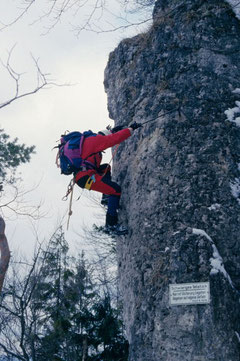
(40, 119)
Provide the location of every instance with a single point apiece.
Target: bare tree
(42, 80)
(18, 320)
(12, 154)
(5, 253)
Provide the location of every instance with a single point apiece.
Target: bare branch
(10, 311)
(22, 13)
(92, 13)
(18, 204)
(112, 28)
(55, 10)
(9, 352)
(43, 80)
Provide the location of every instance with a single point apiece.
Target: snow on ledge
(231, 114)
(235, 6)
(214, 207)
(237, 90)
(216, 261)
(235, 188)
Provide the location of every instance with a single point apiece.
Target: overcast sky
(40, 119)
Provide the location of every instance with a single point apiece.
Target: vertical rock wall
(180, 176)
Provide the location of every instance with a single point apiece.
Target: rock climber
(97, 176)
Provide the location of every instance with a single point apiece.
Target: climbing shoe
(116, 230)
(112, 231)
(112, 227)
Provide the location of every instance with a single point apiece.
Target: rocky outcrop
(180, 176)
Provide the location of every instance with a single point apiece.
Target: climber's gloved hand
(117, 128)
(135, 125)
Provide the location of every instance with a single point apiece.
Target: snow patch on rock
(238, 336)
(216, 261)
(232, 113)
(214, 207)
(236, 91)
(235, 189)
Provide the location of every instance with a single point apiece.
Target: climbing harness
(89, 182)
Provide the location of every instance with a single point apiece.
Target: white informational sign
(189, 293)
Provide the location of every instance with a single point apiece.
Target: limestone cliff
(180, 176)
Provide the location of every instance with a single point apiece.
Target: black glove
(117, 128)
(135, 125)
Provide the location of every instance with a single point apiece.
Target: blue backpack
(70, 150)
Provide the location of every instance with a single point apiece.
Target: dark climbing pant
(102, 182)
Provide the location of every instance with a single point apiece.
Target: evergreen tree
(108, 332)
(12, 155)
(60, 313)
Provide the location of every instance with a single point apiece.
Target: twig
(42, 80)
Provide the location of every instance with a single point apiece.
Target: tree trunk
(5, 253)
(85, 348)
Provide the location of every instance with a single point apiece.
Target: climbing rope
(69, 191)
(159, 116)
(162, 115)
(70, 207)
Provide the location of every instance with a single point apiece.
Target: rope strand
(70, 205)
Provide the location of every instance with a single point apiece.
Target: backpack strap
(69, 157)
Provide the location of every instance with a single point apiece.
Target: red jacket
(92, 146)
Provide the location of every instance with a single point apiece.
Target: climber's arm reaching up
(99, 143)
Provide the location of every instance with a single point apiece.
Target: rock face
(180, 176)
